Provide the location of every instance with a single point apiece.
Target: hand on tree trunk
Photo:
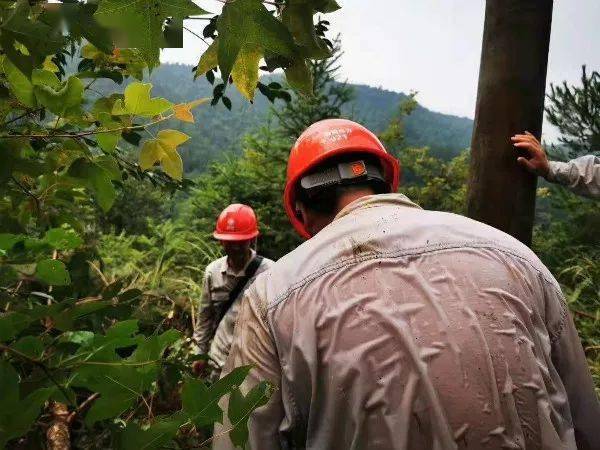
(535, 160)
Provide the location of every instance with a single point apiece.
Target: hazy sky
(434, 46)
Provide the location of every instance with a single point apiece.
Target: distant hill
(218, 131)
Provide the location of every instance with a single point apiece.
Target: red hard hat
(236, 223)
(323, 140)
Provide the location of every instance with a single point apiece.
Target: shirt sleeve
(253, 345)
(205, 322)
(581, 175)
(569, 360)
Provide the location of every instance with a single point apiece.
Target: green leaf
(63, 239)
(17, 415)
(41, 77)
(299, 76)
(39, 38)
(114, 75)
(125, 328)
(7, 240)
(201, 403)
(65, 320)
(9, 386)
(97, 179)
(160, 433)
(209, 59)
(245, 70)
(326, 6)
(163, 149)
(108, 141)
(19, 84)
(173, 34)
(110, 166)
(240, 408)
(67, 97)
(122, 380)
(152, 348)
(130, 294)
(297, 15)
(248, 23)
(11, 324)
(142, 21)
(29, 345)
(53, 272)
(81, 22)
(138, 102)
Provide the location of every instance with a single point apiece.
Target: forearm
(581, 175)
(204, 328)
(204, 332)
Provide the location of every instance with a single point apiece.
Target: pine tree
(575, 110)
(327, 101)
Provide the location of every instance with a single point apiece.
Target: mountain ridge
(218, 132)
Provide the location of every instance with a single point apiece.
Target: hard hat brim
(235, 237)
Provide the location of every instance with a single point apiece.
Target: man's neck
(352, 196)
(240, 263)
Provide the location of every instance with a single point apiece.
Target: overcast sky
(434, 46)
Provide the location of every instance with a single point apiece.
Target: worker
(581, 175)
(224, 281)
(394, 327)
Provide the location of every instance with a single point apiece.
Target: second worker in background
(224, 281)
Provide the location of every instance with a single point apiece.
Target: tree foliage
(575, 110)
(72, 337)
(257, 177)
(329, 98)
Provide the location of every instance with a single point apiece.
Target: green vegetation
(103, 241)
(574, 110)
(95, 279)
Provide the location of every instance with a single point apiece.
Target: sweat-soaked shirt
(400, 328)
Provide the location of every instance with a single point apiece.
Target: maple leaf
(247, 30)
(163, 149)
(142, 21)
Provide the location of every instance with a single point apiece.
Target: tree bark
(58, 434)
(510, 99)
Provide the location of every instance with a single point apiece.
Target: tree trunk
(510, 99)
(58, 434)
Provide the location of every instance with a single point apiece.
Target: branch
(41, 365)
(584, 314)
(28, 192)
(87, 133)
(25, 114)
(83, 407)
(197, 35)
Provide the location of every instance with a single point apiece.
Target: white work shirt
(581, 175)
(219, 280)
(396, 328)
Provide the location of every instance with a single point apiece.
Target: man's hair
(326, 199)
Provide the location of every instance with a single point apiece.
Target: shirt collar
(226, 269)
(372, 201)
